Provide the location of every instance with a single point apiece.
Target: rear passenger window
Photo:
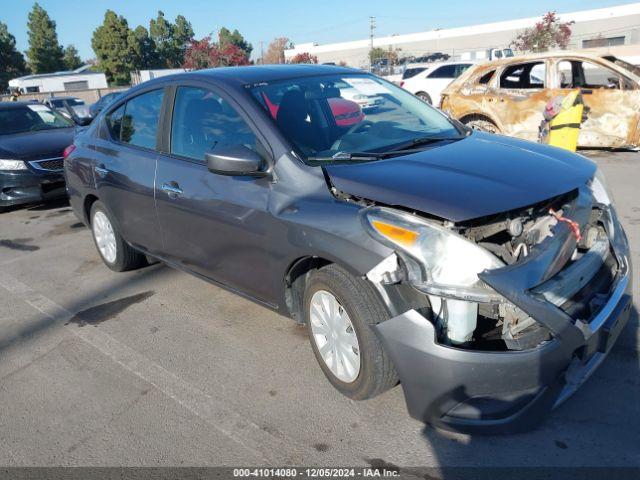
(203, 121)
(461, 68)
(140, 120)
(412, 72)
(524, 76)
(446, 71)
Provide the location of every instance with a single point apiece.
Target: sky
(302, 21)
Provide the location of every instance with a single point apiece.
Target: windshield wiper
(348, 157)
(416, 142)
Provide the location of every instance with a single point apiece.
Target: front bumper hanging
(496, 392)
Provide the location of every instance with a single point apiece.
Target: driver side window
(203, 121)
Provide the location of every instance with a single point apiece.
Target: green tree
(11, 60)
(112, 44)
(182, 36)
(226, 37)
(376, 54)
(45, 54)
(171, 40)
(143, 49)
(71, 58)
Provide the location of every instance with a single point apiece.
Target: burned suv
(488, 275)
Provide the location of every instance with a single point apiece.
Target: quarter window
(139, 124)
(486, 78)
(203, 121)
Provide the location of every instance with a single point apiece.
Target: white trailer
(80, 79)
(140, 76)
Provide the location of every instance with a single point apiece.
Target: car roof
(259, 73)
(63, 98)
(438, 64)
(540, 56)
(16, 105)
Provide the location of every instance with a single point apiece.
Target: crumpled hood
(36, 145)
(480, 175)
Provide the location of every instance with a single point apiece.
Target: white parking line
(244, 432)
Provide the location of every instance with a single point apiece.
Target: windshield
(329, 117)
(30, 118)
(72, 102)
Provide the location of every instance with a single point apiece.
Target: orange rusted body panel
(614, 113)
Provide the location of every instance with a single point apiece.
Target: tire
(482, 125)
(119, 256)
(364, 309)
(424, 96)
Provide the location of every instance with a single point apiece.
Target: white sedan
(428, 80)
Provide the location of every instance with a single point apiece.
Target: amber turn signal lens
(397, 234)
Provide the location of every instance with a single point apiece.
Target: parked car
(70, 107)
(426, 81)
(509, 96)
(32, 141)
(102, 102)
(489, 275)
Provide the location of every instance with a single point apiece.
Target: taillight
(67, 151)
(402, 83)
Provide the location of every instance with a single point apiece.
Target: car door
(613, 102)
(125, 166)
(212, 224)
(517, 98)
(438, 80)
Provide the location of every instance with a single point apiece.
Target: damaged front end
(508, 314)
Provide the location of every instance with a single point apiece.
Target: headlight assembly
(447, 264)
(12, 165)
(601, 193)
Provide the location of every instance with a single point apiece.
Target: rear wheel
(340, 310)
(482, 125)
(117, 254)
(425, 97)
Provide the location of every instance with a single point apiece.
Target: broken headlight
(599, 189)
(440, 262)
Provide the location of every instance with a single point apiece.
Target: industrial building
(612, 26)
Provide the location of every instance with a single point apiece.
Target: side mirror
(235, 160)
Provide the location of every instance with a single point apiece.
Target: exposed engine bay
(579, 288)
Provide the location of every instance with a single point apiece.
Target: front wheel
(117, 254)
(340, 311)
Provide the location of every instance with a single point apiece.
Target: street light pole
(372, 27)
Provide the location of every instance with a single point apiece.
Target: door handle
(100, 170)
(172, 189)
